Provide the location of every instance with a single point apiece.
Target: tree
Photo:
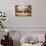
(2, 19)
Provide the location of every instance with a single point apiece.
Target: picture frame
(23, 10)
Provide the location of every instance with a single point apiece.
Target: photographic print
(23, 10)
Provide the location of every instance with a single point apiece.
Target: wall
(38, 18)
